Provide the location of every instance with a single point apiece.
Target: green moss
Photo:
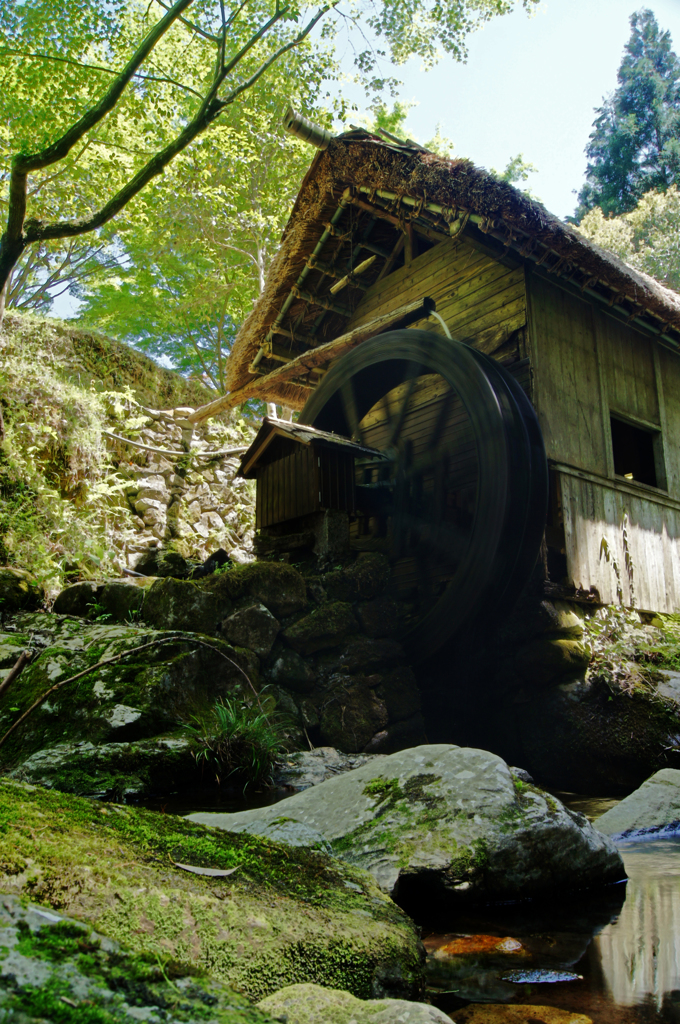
(119, 979)
(413, 814)
(168, 684)
(61, 941)
(325, 627)
(470, 859)
(380, 790)
(285, 915)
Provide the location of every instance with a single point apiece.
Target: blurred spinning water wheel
(458, 502)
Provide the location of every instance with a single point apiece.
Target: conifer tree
(635, 143)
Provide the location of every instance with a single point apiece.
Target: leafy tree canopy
(647, 238)
(112, 183)
(635, 143)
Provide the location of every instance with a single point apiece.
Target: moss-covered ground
(283, 915)
(62, 971)
(166, 684)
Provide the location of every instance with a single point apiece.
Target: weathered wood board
(566, 379)
(482, 301)
(593, 511)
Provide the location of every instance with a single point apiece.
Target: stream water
(612, 955)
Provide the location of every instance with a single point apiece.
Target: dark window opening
(634, 452)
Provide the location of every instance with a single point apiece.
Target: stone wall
(336, 682)
(190, 501)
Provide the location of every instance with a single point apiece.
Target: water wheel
(458, 500)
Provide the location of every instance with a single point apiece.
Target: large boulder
(204, 603)
(253, 626)
(441, 822)
(312, 1004)
(326, 626)
(145, 693)
(182, 604)
(103, 600)
(55, 968)
(256, 914)
(113, 771)
(305, 768)
(19, 591)
(653, 809)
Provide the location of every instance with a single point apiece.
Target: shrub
(238, 739)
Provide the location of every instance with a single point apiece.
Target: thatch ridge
(455, 183)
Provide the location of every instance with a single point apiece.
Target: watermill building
(383, 233)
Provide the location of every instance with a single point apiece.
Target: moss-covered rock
(113, 771)
(145, 694)
(380, 617)
(78, 599)
(290, 670)
(183, 604)
(549, 660)
(56, 969)
(360, 581)
(204, 603)
(312, 1004)
(279, 587)
(253, 626)
(114, 600)
(265, 916)
(327, 626)
(438, 823)
(351, 714)
(19, 591)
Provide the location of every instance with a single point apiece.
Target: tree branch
(97, 67)
(24, 163)
(19, 234)
(279, 53)
(190, 24)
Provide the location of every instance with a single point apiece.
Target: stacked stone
(191, 500)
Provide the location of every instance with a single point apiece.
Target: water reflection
(639, 953)
(542, 940)
(628, 953)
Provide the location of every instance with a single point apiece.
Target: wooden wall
(594, 510)
(482, 301)
(587, 365)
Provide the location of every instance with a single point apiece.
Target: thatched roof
(440, 196)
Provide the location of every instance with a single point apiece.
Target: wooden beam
(311, 361)
(321, 300)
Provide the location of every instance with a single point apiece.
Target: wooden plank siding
(627, 361)
(588, 366)
(566, 380)
(669, 383)
(482, 301)
(593, 511)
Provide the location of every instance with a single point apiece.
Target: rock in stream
(444, 822)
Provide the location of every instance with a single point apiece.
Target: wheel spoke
(440, 422)
(349, 406)
(443, 539)
(411, 375)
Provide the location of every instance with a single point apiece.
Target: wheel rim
(458, 501)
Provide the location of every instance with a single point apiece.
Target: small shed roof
(302, 434)
(439, 196)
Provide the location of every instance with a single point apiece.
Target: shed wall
(482, 301)
(588, 366)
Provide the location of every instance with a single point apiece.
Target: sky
(530, 86)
